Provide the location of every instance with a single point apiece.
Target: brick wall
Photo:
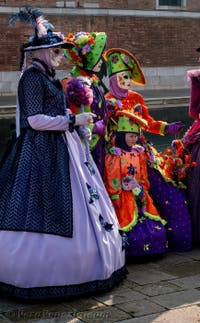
(191, 5)
(155, 41)
(142, 4)
(163, 43)
(79, 3)
(120, 4)
(37, 3)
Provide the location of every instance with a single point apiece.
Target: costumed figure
(59, 235)
(86, 55)
(126, 181)
(168, 195)
(191, 145)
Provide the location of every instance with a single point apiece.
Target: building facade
(163, 34)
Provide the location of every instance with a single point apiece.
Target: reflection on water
(160, 142)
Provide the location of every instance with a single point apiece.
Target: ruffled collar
(119, 151)
(43, 65)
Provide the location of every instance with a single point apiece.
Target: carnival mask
(124, 80)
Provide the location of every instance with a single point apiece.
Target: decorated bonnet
(122, 121)
(119, 60)
(88, 48)
(129, 122)
(127, 125)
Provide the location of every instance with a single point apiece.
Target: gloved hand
(129, 183)
(84, 132)
(174, 127)
(84, 119)
(99, 128)
(116, 204)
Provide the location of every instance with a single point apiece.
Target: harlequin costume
(85, 55)
(59, 236)
(137, 215)
(168, 196)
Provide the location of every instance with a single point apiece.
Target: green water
(169, 115)
(160, 142)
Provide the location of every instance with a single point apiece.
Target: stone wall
(156, 78)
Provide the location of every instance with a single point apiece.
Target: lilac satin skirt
(38, 265)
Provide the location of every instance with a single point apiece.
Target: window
(176, 3)
(171, 4)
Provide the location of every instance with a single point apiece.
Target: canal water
(168, 114)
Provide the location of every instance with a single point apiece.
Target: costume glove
(174, 127)
(129, 183)
(84, 119)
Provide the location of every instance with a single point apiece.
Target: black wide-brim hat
(51, 40)
(198, 49)
(43, 37)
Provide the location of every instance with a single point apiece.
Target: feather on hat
(44, 37)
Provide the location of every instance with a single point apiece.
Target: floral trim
(136, 191)
(84, 41)
(115, 151)
(120, 152)
(158, 168)
(107, 226)
(175, 166)
(171, 165)
(93, 194)
(113, 105)
(116, 184)
(155, 217)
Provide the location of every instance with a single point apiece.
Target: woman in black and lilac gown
(59, 236)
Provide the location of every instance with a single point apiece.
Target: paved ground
(166, 290)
